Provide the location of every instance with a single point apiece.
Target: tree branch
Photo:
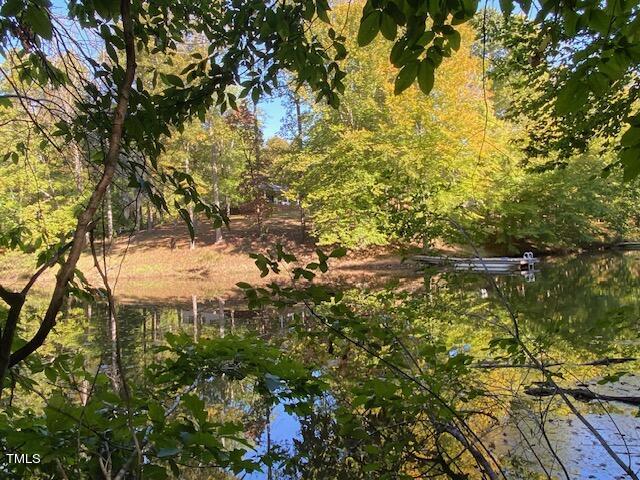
(66, 272)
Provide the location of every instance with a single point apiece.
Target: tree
(254, 181)
(249, 43)
(382, 167)
(257, 38)
(572, 80)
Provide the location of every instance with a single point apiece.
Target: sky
(274, 112)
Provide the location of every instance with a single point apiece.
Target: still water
(578, 309)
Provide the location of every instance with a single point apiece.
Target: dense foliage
(382, 169)
(110, 108)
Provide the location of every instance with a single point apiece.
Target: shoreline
(158, 264)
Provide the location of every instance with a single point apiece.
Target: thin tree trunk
(256, 174)
(138, 210)
(215, 156)
(149, 216)
(303, 219)
(192, 242)
(109, 213)
(194, 306)
(296, 100)
(77, 167)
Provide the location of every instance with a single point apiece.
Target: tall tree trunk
(215, 157)
(77, 167)
(149, 216)
(196, 326)
(109, 213)
(67, 269)
(138, 210)
(192, 242)
(259, 189)
(296, 100)
(303, 219)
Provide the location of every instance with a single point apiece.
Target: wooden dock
(474, 264)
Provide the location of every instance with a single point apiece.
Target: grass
(15, 268)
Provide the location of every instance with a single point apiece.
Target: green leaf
(39, 21)
(322, 7)
(406, 77)
(630, 159)
(11, 8)
(107, 8)
(426, 76)
(154, 472)
(272, 382)
(613, 67)
(382, 388)
(434, 54)
(50, 373)
(370, 467)
(571, 21)
(631, 137)
(309, 10)
(196, 406)
(598, 82)
(454, 40)
(156, 413)
(369, 28)
(388, 27)
(168, 452)
(255, 95)
(599, 21)
(174, 80)
(571, 97)
(506, 6)
(187, 219)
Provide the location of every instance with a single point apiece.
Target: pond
(577, 310)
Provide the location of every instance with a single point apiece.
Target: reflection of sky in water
(580, 452)
(284, 429)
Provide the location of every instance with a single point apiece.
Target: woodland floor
(144, 266)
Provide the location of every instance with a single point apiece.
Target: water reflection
(578, 309)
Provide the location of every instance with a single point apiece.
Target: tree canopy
(408, 118)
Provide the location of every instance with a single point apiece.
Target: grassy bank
(158, 263)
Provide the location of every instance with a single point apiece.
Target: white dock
(628, 245)
(475, 264)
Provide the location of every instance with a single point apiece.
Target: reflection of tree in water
(320, 451)
(586, 304)
(572, 301)
(385, 444)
